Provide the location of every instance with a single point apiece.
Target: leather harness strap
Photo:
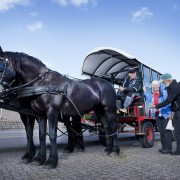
(38, 90)
(49, 89)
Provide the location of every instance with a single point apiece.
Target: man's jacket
(173, 92)
(132, 85)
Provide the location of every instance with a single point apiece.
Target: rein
(29, 83)
(87, 128)
(24, 89)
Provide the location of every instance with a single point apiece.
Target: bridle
(6, 88)
(4, 62)
(3, 68)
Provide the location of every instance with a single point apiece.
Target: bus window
(147, 84)
(154, 75)
(146, 80)
(159, 77)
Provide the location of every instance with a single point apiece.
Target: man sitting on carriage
(130, 88)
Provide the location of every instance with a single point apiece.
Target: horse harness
(26, 90)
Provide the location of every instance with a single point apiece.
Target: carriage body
(113, 64)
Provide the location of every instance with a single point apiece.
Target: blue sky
(62, 32)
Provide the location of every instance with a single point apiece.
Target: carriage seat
(138, 102)
(136, 98)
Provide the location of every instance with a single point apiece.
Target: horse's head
(19, 69)
(7, 73)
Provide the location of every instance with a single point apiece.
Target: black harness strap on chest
(38, 90)
(49, 89)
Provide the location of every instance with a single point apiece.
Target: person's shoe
(160, 150)
(118, 112)
(123, 110)
(174, 153)
(165, 151)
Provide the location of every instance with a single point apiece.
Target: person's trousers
(126, 102)
(176, 123)
(165, 135)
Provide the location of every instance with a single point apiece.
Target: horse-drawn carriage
(112, 65)
(27, 86)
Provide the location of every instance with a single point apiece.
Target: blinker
(3, 64)
(2, 67)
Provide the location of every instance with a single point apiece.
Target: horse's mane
(17, 55)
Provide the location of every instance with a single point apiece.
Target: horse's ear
(1, 52)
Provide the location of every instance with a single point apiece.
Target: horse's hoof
(113, 154)
(36, 163)
(39, 160)
(67, 151)
(50, 166)
(80, 149)
(26, 160)
(106, 153)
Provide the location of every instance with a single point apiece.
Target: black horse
(55, 96)
(74, 129)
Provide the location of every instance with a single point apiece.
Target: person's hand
(121, 88)
(152, 106)
(144, 89)
(170, 116)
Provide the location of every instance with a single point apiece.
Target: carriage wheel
(147, 140)
(102, 137)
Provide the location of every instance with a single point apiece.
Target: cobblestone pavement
(134, 162)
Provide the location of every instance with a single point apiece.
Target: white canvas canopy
(104, 61)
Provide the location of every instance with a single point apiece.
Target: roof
(103, 61)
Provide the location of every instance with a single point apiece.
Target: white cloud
(77, 3)
(8, 4)
(142, 14)
(61, 2)
(36, 26)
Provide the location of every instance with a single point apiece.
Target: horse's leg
(108, 121)
(78, 137)
(40, 158)
(70, 146)
(52, 161)
(115, 149)
(28, 122)
(102, 118)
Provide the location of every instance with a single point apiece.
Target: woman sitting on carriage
(130, 88)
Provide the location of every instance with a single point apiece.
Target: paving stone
(134, 163)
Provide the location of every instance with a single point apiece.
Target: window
(154, 75)
(146, 80)
(159, 76)
(147, 84)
